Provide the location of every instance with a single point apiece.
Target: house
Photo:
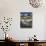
(12, 9)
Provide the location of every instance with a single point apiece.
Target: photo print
(26, 19)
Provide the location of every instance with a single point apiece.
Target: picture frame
(25, 19)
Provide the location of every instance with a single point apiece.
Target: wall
(12, 8)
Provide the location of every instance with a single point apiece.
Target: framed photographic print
(26, 19)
